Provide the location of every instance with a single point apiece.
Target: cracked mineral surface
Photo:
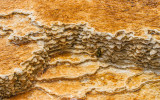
(79, 50)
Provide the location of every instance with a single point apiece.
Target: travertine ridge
(120, 50)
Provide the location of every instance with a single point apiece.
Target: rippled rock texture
(63, 61)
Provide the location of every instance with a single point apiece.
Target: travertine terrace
(78, 58)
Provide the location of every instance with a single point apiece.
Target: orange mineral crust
(104, 15)
(79, 49)
(12, 55)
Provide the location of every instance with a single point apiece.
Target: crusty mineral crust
(103, 15)
(120, 49)
(74, 78)
(121, 33)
